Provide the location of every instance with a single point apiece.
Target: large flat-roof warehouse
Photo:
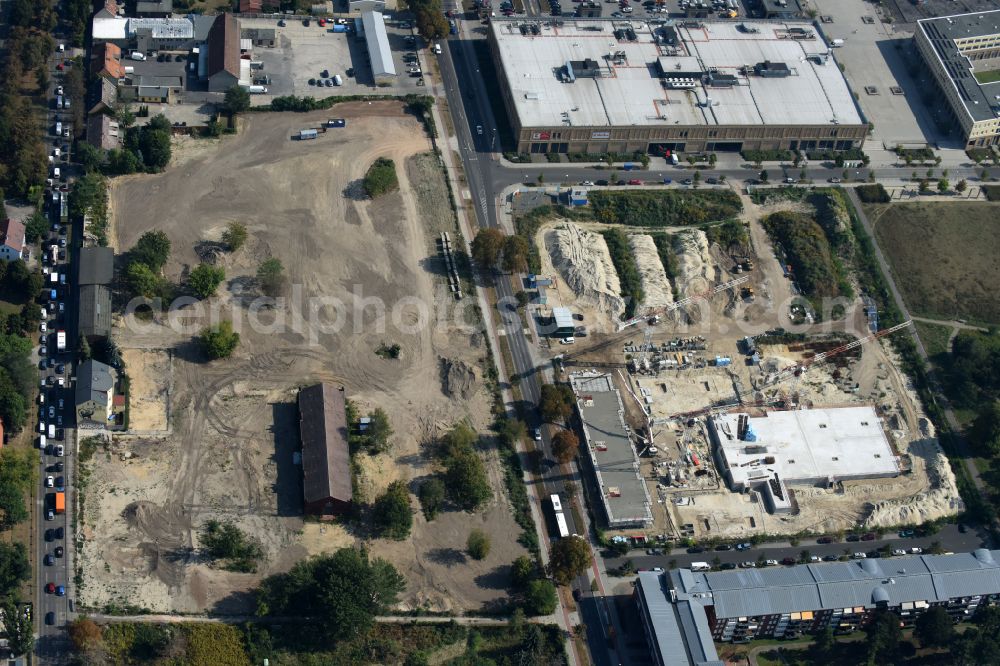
(623, 490)
(597, 85)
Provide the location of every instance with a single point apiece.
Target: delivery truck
(258, 90)
(60, 502)
(61, 340)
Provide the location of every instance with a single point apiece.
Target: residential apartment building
(782, 602)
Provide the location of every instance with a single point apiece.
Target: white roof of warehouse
(163, 28)
(378, 44)
(631, 93)
(809, 444)
(112, 28)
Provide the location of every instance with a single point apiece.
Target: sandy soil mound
(942, 500)
(693, 262)
(655, 285)
(583, 260)
(458, 379)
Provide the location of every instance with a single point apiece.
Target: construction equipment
(799, 368)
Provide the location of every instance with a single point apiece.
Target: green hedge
(992, 192)
(768, 155)
(381, 178)
(662, 208)
(628, 271)
(835, 155)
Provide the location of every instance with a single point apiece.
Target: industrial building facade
(621, 86)
(955, 48)
(684, 611)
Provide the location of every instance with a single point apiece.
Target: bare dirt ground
(233, 423)
(149, 387)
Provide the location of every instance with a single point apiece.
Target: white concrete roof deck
(631, 94)
(810, 444)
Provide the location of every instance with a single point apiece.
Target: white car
(43, 327)
(61, 382)
(60, 451)
(770, 563)
(898, 551)
(59, 90)
(50, 482)
(859, 556)
(567, 341)
(479, 129)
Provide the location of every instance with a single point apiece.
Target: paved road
(53, 536)
(961, 444)
(469, 106)
(949, 538)
(470, 621)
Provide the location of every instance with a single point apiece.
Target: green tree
(487, 247)
(343, 592)
(884, 635)
(569, 558)
(12, 508)
(924, 187)
(83, 348)
(13, 411)
(204, 279)
(522, 571)
(824, 648)
(271, 277)
(18, 626)
(225, 541)
(237, 99)
(430, 20)
(511, 431)
(943, 185)
(152, 249)
(431, 497)
(565, 445)
(141, 280)
(540, 597)
(35, 226)
(763, 176)
(478, 544)
(89, 156)
(379, 431)
(154, 143)
(219, 341)
(466, 481)
(85, 634)
(391, 512)
(515, 254)
(15, 568)
(556, 403)
(235, 236)
(696, 177)
(961, 185)
(380, 178)
(934, 628)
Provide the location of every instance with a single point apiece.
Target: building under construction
(800, 447)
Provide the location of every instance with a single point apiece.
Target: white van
(41, 442)
(567, 341)
(55, 172)
(700, 566)
(137, 55)
(52, 431)
(58, 128)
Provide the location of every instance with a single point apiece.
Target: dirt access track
(228, 453)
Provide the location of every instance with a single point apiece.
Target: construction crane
(708, 293)
(822, 356)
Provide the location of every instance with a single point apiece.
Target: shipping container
(339, 28)
(60, 502)
(307, 134)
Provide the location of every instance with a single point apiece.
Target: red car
(51, 588)
(635, 181)
(322, 22)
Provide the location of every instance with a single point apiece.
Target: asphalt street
(54, 553)
(949, 539)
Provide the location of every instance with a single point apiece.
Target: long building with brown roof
(326, 456)
(223, 53)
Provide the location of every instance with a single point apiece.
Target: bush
(465, 476)
(380, 178)
(204, 279)
(235, 236)
(807, 249)
(391, 513)
(556, 403)
(271, 277)
(152, 249)
(872, 193)
(540, 597)
(661, 208)
(225, 541)
(478, 545)
(852, 154)
(628, 271)
(219, 341)
(431, 497)
(992, 192)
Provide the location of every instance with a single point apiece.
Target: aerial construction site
(743, 410)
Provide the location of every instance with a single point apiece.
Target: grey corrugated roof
(378, 44)
(95, 311)
(326, 457)
(842, 584)
(681, 630)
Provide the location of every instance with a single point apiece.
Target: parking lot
(304, 52)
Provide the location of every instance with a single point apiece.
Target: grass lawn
(988, 76)
(934, 336)
(942, 256)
